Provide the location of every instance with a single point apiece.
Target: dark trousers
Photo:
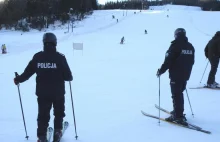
(44, 106)
(214, 61)
(177, 89)
(3, 51)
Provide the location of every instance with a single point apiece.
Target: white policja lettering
(187, 52)
(46, 65)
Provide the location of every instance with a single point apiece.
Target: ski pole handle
(16, 74)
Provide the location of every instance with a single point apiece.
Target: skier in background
(179, 60)
(122, 40)
(212, 52)
(52, 70)
(4, 51)
(145, 31)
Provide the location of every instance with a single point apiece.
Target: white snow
(113, 82)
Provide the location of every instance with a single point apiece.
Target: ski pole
(204, 71)
(16, 74)
(73, 110)
(159, 100)
(189, 103)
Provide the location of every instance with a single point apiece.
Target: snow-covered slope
(113, 82)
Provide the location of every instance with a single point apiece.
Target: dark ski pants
(44, 106)
(177, 89)
(214, 61)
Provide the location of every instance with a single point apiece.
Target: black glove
(16, 78)
(158, 73)
(16, 81)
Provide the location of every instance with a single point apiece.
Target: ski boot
(179, 120)
(213, 86)
(57, 135)
(42, 139)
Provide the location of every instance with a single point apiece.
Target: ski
(205, 87)
(65, 126)
(189, 127)
(49, 133)
(168, 112)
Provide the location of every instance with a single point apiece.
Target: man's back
(182, 65)
(213, 47)
(52, 70)
(179, 59)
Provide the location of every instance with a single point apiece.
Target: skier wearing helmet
(179, 61)
(52, 71)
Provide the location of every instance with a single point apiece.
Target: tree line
(39, 14)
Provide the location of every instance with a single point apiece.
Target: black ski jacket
(51, 69)
(179, 59)
(212, 49)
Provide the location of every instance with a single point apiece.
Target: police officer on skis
(179, 60)
(212, 52)
(52, 71)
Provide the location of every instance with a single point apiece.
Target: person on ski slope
(52, 71)
(122, 40)
(212, 52)
(179, 60)
(145, 31)
(4, 49)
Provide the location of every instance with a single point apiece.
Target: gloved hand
(16, 81)
(158, 73)
(16, 78)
